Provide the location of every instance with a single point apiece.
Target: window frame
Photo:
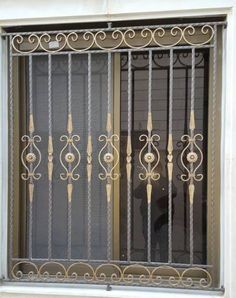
(16, 73)
(4, 137)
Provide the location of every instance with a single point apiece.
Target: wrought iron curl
(31, 158)
(191, 30)
(73, 36)
(105, 157)
(115, 277)
(59, 275)
(19, 274)
(123, 274)
(120, 36)
(70, 141)
(19, 39)
(149, 158)
(188, 281)
(88, 276)
(47, 38)
(193, 157)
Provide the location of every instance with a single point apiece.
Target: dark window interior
(181, 111)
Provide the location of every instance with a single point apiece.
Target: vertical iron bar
(191, 245)
(109, 203)
(69, 166)
(11, 124)
(185, 132)
(31, 135)
(129, 150)
(89, 136)
(132, 173)
(149, 247)
(50, 137)
(213, 137)
(170, 180)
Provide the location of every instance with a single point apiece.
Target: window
(113, 155)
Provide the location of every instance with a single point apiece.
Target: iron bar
(149, 205)
(89, 152)
(192, 104)
(185, 132)
(213, 146)
(179, 265)
(117, 28)
(30, 206)
(208, 46)
(69, 202)
(50, 136)
(11, 147)
(109, 133)
(170, 157)
(129, 157)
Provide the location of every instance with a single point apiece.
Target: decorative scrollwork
(149, 158)
(188, 281)
(46, 39)
(53, 270)
(158, 276)
(108, 157)
(192, 157)
(134, 38)
(190, 31)
(70, 157)
(111, 273)
(143, 277)
(32, 158)
(25, 269)
(32, 40)
(80, 270)
(101, 273)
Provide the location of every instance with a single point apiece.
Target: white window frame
(101, 10)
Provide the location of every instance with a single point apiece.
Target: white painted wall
(22, 12)
(43, 11)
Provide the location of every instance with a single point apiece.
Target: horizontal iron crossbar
(109, 29)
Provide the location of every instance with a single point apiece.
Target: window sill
(51, 290)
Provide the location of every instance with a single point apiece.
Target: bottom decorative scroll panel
(111, 273)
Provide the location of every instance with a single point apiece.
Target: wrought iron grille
(82, 151)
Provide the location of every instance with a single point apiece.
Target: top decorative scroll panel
(113, 39)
